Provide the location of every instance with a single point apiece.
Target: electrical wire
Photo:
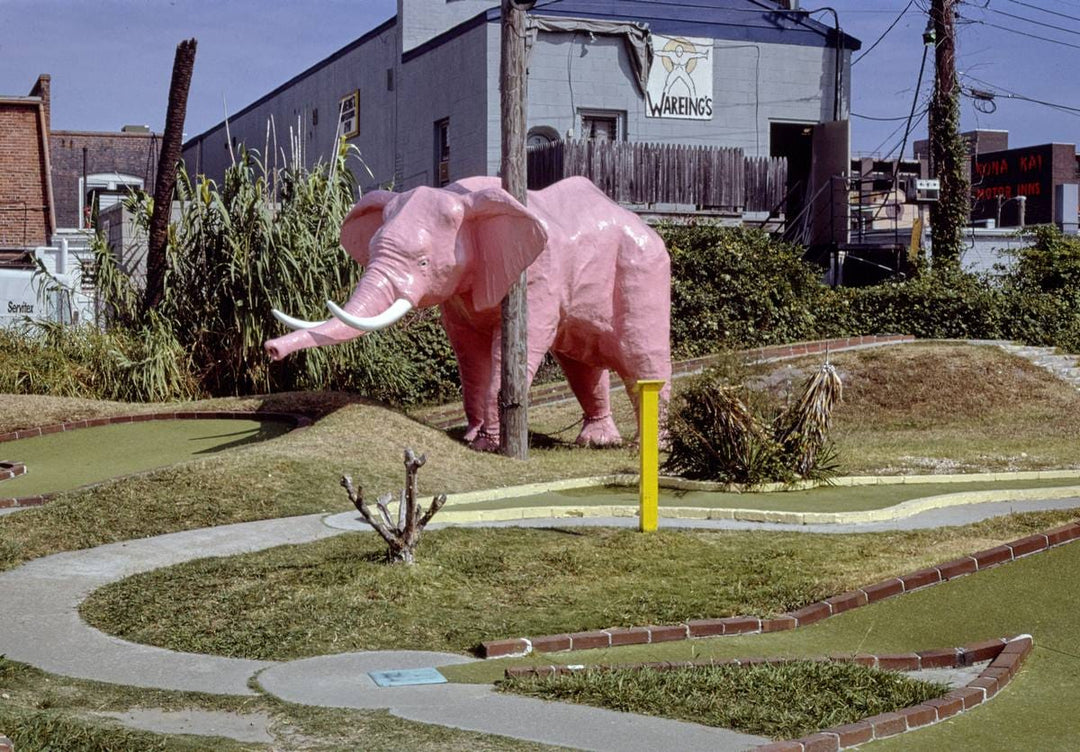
(884, 33)
(1032, 21)
(914, 104)
(879, 119)
(1009, 94)
(1044, 10)
(1017, 31)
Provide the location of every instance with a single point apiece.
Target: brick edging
(815, 612)
(9, 470)
(298, 420)
(6, 745)
(545, 394)
(1006, 655)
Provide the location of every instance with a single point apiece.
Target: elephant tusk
(390, 316)
(292, 323)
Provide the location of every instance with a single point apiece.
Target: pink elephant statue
(599, 288)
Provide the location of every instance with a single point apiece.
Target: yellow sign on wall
(349, 122)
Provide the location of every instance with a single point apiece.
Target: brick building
(26, 207)
(1037, 173)
(96, 170)
(51, 182)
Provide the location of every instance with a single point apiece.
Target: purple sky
(110, 60)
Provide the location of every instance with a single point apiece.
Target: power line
(1044, 10)
(884, 33)
(1031, 21)
(879, 119)
(1016, 31)
(1015, 95)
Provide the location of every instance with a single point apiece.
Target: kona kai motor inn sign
(680, 79)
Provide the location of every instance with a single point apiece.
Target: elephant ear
(507, 238)
(362, 222)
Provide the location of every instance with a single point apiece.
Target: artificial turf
(821, 499)
(63, 461)
(1036, 595)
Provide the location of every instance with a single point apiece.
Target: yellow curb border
(895, 512)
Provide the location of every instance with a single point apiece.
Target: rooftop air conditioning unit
(924, 191)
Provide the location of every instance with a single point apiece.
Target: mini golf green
(63, 461)
(1036, 595)
(821, 499)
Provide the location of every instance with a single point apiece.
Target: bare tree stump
(403, 536)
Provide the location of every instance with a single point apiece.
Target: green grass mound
(775, 700)
(471, 585)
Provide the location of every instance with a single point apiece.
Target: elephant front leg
(592, 387)
(540, 340)
(472, 348)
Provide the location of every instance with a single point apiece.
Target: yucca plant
(715, 436)
(803, 429)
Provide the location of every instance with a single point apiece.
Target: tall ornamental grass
(234, 253)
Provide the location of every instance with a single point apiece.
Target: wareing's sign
(680, 79)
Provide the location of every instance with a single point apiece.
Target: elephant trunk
(372, 296)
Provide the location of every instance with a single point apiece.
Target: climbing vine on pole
(948, 150)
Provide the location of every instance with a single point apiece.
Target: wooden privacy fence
(706, 177)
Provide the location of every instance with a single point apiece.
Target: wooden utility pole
(513, 393)
(948, 150)
(171, 142)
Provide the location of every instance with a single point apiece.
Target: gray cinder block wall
(439, 60)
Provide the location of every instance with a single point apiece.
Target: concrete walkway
(40, 625)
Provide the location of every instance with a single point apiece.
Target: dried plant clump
(715, 436)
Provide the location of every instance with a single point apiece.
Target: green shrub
(737, 287)
(138, 365)
(942, 305)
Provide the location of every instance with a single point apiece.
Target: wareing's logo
(680, 79)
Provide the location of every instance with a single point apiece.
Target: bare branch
(436, 505)
(357, 498)
(402, 539)
(382, 503)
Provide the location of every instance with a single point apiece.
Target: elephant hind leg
(592, 388)
(630, 384)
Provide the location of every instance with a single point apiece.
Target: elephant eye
(423, 263)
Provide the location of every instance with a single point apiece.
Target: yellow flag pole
(649, 442)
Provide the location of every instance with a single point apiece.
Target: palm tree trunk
(171, 143)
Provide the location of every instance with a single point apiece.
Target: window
(389, 79)
(102, 190)
(599, 125)
(442, 152)
(542, 135)
(315, 116)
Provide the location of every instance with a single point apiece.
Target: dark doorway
(795, 142)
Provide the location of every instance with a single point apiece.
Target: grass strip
(774, 700)
(471, 585)
(43, 712)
